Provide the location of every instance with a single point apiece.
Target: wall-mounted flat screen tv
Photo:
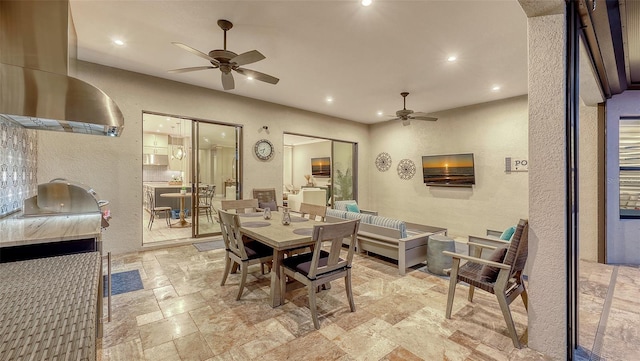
(321, 167)
(452, 170)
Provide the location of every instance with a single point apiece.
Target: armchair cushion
(271, 205)
(488, 273)
(353, 207)
(508, 233)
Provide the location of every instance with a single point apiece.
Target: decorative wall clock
(406, 169)
(263, 149)
(383, 161)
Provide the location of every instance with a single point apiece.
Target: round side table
(436, 261)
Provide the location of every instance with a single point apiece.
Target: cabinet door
(148, 139)
(162, 140)
(148, 150)
(159, 150)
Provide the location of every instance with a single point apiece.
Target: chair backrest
(264, 195)
(313, 210)
(518, 250)
(230, 228)
(239, 205)
(333, 235)
(151, 203)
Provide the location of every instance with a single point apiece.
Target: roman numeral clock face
(263, 149)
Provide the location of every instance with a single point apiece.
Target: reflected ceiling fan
(407, 114)
(227, 61)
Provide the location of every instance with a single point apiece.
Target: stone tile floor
(184, 314)
(609, 312)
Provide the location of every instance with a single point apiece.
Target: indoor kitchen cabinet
(155, 143)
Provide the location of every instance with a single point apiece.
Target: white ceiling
(362, 57)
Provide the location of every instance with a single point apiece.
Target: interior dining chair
(319, 267)
(155, 210)
(266, 198)
(501, 274)
(239, 205)
(205, 203)
(313, 211)
(243, 252)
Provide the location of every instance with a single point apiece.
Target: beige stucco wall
(491, 131)
(547, 187)
(113, 166)
(588, 183)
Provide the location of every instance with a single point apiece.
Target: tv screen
(321, 167)
(454, 170)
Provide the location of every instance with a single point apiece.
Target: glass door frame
(354, 161)
(195, 170)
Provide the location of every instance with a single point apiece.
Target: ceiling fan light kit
(227, 61)
(406, 115)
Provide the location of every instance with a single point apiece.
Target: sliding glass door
(344, 175)
(216, 172)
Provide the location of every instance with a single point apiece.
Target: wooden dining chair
(501, 274)
(313, 211)
(243, 252)
(205, 203)
(156, 210)
(240, 205)
(267, 198)
(319, 267)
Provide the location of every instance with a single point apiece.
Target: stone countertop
(18, 231)
(165, 185)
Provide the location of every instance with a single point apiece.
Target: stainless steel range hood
(37, 55)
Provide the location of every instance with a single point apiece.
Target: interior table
(281, 238)
(182, 222)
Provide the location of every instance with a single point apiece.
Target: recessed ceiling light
(206, 140)
(118, 42)
(365, 2)
(379, 112)
(495, 88)
(249, 78)
(452, 58)
(329, 100)
(223, 134)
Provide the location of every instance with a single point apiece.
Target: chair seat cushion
(256, 249)
(302, 263)
(271, 205)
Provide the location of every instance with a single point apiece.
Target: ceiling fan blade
(196, 52)
(194, 68)
(227, 81)
(421, 117)
(247, 58)
(258, 75)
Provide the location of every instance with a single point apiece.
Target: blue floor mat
(123, 282)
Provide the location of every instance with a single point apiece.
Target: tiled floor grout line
(602, 325)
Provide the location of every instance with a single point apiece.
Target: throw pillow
(508, 233)
(271, 205)
(353, 207)
(488, 273)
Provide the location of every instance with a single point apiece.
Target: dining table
(281, 238)
(182, 222)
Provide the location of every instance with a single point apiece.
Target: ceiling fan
(407, 114)
(227, 61)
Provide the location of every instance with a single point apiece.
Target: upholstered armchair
(307, 195)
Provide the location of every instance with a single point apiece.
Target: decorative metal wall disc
(406, 169)
(383, 161)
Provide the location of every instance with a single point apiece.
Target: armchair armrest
(477, 260)
(478, 243)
